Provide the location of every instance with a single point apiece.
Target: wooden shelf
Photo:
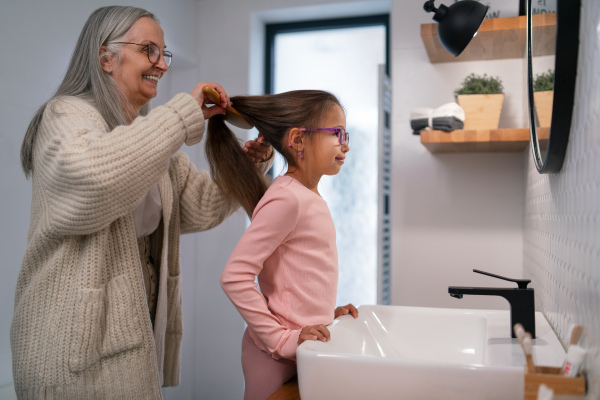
(287, 391)
(461, 141)
(497, 38)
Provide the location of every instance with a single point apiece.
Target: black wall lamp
(458, 24)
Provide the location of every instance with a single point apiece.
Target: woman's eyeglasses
(153, 52)
(343, 135)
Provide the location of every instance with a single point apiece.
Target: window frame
(272, 30)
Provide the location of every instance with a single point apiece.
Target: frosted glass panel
(345, 62)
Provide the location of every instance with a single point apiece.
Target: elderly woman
(98, 299)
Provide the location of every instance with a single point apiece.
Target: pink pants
(263, 374)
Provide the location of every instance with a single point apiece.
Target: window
(341, 56)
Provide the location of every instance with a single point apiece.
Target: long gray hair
(85, 78)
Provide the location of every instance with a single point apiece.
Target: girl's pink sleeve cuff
(291, 345)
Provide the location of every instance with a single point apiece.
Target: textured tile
(562, 214)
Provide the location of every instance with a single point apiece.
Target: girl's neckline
(301, 184)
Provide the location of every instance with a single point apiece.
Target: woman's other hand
(258, 150)
(203, 100)
(314, 332)
(344, 310)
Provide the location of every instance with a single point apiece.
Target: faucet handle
(521, 282)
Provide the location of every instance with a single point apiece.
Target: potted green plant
(481, 97)
(543, 94)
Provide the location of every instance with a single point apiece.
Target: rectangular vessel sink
(395, 352)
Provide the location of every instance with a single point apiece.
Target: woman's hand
(314, 332)
(203, 100)
(348, 309)
(258, 150)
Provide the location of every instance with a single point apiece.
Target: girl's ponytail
(237, 176)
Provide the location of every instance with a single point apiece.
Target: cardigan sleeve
(272, 223)
(91, 176)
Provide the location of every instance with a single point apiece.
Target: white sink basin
(393, 352)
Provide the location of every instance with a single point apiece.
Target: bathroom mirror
(552, 47)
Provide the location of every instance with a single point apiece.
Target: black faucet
(522, 306)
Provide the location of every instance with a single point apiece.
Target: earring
(289, 144)
(300, 154)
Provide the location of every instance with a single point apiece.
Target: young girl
(290, 244)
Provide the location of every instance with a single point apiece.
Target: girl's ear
(296, 139)
(106, 59)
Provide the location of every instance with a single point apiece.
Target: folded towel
(450, 110)
(447, 117)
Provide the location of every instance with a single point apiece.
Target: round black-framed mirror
(549, 144)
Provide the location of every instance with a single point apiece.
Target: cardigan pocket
(174, 317)
(87, 329)
(105, 323)
(123, 325)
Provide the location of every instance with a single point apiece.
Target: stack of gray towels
(447, 117)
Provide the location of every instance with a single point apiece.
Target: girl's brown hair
(274, 116)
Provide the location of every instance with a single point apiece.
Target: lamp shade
(458, 23)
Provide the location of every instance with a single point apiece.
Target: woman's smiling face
(135, 75)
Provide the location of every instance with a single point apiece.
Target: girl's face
(324, 153)
(135, 75)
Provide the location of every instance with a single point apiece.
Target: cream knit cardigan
(81, 328)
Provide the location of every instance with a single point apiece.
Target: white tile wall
(562, 214)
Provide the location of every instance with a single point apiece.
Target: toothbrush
(519, 332)
(575, 333)
(526, 344)
(575, 354)
(528, 349)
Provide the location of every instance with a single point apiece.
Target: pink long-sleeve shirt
(290, 246)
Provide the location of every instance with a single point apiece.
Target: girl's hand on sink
(344, 310)
(320, 332)
(314, 332)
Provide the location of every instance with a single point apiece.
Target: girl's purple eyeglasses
(343, 135)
